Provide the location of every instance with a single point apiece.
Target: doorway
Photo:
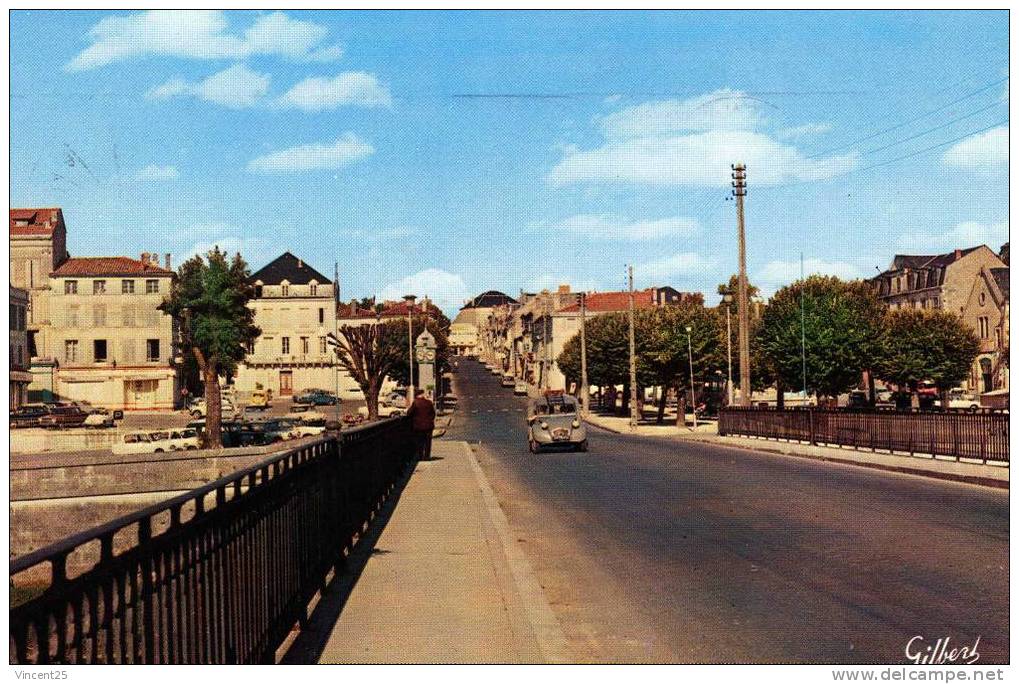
(286, 383)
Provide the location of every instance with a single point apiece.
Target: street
(654, 549)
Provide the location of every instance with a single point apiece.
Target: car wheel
(974, 408)
(532, 446)
(158, 451)
(582, 447)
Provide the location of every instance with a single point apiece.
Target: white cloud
(235, 87)
(347, 149)
(156, 172)
(984, 151)
(550, 282)
(446, 290)
(776, 274)
(723, 109)
(681, 265)
(961, 236)
(700, 159)
(608, 227)
(803, 131)
(349, 88)
(200, 34)
(251, 248)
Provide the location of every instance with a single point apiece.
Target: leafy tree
(926, 345)
(843, 330)
(667, 347)
(731, 288)
(369, 353)
(210, 299)
(437, 324)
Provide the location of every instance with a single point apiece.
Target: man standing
(422, 423)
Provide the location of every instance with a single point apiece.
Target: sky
(449, 153)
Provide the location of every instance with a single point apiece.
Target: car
(384, 411)
(394, 399)
(137, 442)
(99, 420)
(198, 408)
(316, 397)
(295, 429)
(258, 401)
(553, 422)
(520, 388)
(959, 399)
(508, 381)
(28, 415)
(185, 439)
(63, 416)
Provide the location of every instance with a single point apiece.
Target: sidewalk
(446, 582)
(939, 468)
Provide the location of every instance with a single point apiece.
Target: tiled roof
(35, 221)
(290, 268)
(605, 302)
(1000, 276)
(918, 261)
(108, 266)
(489, 299)
(392, 309)
(353, 311)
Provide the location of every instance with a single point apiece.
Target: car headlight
(544, 425)
(575, 423)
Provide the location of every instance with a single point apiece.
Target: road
(651, 549)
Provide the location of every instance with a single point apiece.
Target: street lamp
(728, 343)
(410, 347)
(693, 393)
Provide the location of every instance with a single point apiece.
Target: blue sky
(448, 153)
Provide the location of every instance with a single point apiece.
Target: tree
(209, 299)
(842, 334)
(369, 353)
(437, 324)
(926, 345)
(731, 288)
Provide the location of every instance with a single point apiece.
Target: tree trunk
(680, 407)
(213, 407)
(625, 403)
(661, 405)
(780, 396)
(871, 389)
(371, 398)
(914, 395)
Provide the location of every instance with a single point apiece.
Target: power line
(909, 121)
(931, 130)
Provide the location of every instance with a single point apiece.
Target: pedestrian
(422, 423)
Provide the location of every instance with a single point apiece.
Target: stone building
(465, 329)
(38, 246)
(113, 346)
(967, 282)
(295, 307)
(19, 376)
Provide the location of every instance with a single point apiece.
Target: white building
(19, 376)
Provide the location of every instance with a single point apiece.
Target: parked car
(384, 411)
(137, 442)
(295, 429)
(316, 397)
(508, 381)
(184, 440)
(101, 419)
(198, 407)
(958, 399)
(258, 401)
(553, 422)
(395, 399)
(520, 388)
(28, 415)
(63, 416)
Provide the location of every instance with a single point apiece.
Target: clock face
(430, 355)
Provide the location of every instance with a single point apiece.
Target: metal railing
(982, 436)
(220, 574)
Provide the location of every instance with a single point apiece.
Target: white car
(296, 429)
(960, 400)
(98, 420)
(384, 411)
(138, 442)
(184, 440)
(198, 408)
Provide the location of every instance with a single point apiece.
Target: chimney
(145, 258)
(958, 253)
(169, 264)
(300, 263)
(564, 289)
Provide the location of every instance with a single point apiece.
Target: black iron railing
(982, 435)
(218, 575)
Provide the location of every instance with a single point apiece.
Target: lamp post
(693, 393)
(410, 347)
(585, 393)
(728, 344)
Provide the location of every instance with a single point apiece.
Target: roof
(353, 311)
(1000, 276)
(918, 261)
(108, 266)
(39, 221)
(605, 302)
(289, 268)
(391, 309)
(489, 299)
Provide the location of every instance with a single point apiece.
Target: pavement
(444, 583)
(943, 468)
(651, 549)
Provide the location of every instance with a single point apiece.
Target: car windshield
(136, 438)
(189, 433)
(157, 436)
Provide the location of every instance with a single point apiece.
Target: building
(295, 307)
(473, 315)
(38, 246)
(113, 346)
(962, 282)
(19, 375)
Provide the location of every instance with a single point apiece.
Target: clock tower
(424, 354)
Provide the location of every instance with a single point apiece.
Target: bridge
(221, 574)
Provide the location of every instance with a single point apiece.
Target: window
(304, 345)
(984, 327)
(99, 315)
(321, 316)
(72, 317)
(313, 288)
(151, 286)
(152, 350)
(249, 346)
(286, 290)
(285, 341)
(127, 287)
(127, 351)
(982, 298)
(99, 351)
(70, 351)
(321, 345)
(98, 287)
(70, 287)
(128, 316)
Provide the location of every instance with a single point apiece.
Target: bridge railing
(959, 434)
(220, 574)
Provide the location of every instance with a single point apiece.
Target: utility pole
(410, 348)
(728, 345)
(693, 392)
(585, 398)
(633, 361)
(545, 341)
(739, 191)
(336, 331)
(803, 332)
